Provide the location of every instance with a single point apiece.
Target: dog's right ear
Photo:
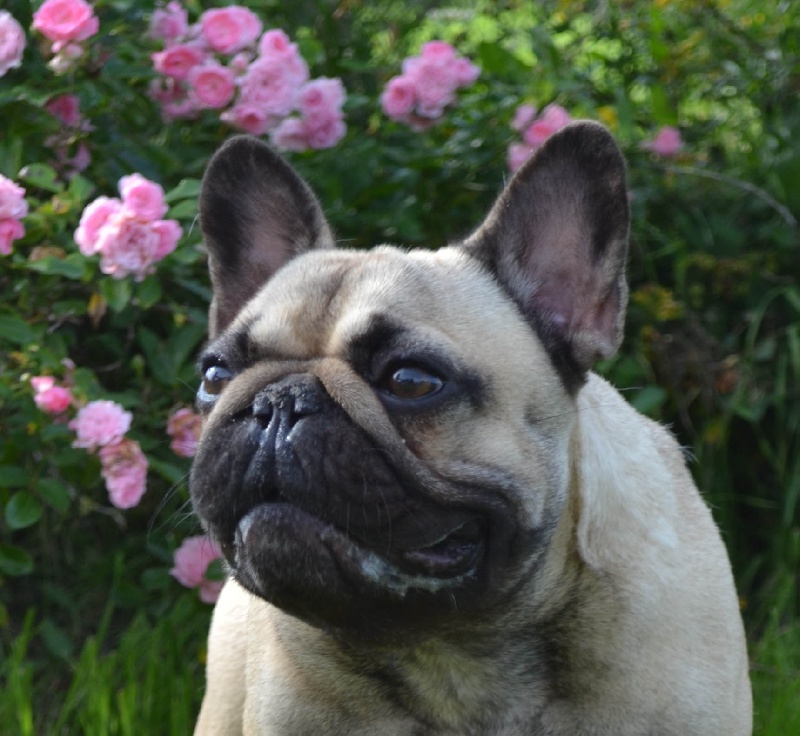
(256, 214)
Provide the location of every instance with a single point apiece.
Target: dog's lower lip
(454, 554)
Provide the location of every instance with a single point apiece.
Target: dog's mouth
(441, 562)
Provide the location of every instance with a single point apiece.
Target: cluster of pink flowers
(184, 427)
(13, 208)
(66, 23)
(12, 42)
(70, 158)
(535, 130)
(49, 396)
(190, 565)
(129, 234)
(101, 426)
(428, 84)
(667, 142)
(258, 82)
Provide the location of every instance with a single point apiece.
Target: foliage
(713, 337)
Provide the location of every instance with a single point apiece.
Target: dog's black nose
(292, 398)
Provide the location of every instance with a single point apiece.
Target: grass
(152, 681)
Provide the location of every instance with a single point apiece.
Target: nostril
(262, 407)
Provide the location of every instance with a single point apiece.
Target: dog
(437, 519)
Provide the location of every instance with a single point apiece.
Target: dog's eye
(215, 378)
(410, 382)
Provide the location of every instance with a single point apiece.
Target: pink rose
(248, 117)
(66, 57)
(523, 117)
(553, 118)
(142, 198)
(271, 84)
(127, 247)
(290, 135)
(169, 233)
(518, 153)
(399, 97)
(178, 60)
(65, 108)
(169, 23)
(49, 397)
(465, 72)
(12, 199)
(10, 230)
(213, 85)
(324, 132)
(438, 50)
(94, 217)
(667, 142)
(320, 97)
(12, 42)
(276, 44)
(228, 30)
(123, 466)
(100, 423)
(191, 561)
(65, 20)
(184, 427)
(435, 86)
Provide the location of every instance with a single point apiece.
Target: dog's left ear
(256, 214)
(557, 240)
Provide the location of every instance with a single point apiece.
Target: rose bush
(406, 126)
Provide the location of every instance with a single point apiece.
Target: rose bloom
(213, 85)
(142, 198)
(184, 427)
(290, 135)
(12, 42)
(191, 561)
(320, 97)
(12, 199)
(276, 44)
(399, 97)
(66, 20)
(523, 117)
(553, 118)
(248, 117)
(465, 72)
(271, 84)
(100, 423)
(10, 230)
(66, 108)
(94, 217)
(434, 84)
(667, 142)
(127, 247)
(324, 132)
(49, 397)
(169, 23)
(124, 468)
(178, 60)
(518, 154)
(169, 233)
(228, 30)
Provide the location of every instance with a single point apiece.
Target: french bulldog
(437, 519)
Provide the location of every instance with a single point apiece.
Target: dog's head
(387, 432)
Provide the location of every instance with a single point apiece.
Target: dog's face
(386, 436)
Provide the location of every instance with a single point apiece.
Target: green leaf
(148, 293)
(54, 493)
(16, 330)
(214, 571)
(158, 358)
(74, 266)
(13, 477)
(41, 176)
(186, 189)
(56, 640)
(23, 510)
(15, 561)
(649, 399)
(183, 210)
(117, 293)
